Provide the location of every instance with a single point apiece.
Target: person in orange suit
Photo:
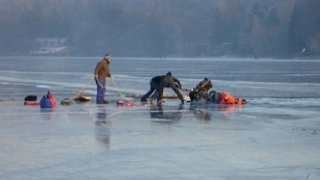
(225, 98)
(51, 99)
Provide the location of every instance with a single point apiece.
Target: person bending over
(169, 81)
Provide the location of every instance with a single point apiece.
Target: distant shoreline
(164, 57)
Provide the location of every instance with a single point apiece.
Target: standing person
(101, 72)
(154, 83)
(169, 81)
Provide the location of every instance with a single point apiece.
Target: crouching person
(48, 101)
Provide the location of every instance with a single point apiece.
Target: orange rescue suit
(52, 100)
(226, 98)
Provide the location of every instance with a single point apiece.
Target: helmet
(212, 95)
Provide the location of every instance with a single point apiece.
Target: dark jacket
(169, 81)
(157, 79)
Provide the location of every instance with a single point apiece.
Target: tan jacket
(102, 69)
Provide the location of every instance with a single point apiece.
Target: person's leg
(155, 94)
(98, 99)
(160, 94)
(175, 89)
(152, 88)
(103, 83)
(100, 90)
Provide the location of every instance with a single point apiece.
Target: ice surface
(275, 136)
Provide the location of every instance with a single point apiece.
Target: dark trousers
(174, 88)
(168, 81)
(153, 87)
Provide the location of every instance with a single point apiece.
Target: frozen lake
(275, 136)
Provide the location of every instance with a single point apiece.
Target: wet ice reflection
(90, 141)
(102, 131)
(166, 114)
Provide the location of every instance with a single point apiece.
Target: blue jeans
(100, 90)
(153, 87)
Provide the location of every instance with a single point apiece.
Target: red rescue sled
(31, 103)
(124, 103)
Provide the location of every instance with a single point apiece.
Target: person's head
(48, 93)
(218, 96)
(212, 95)
(169, 74)
(107, 58)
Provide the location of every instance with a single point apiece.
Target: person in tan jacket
(101, 72)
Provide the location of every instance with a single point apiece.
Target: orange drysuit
(227, 98)
(51, 99)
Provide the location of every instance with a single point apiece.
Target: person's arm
(109, 75)
(96, 70)
(178, 82)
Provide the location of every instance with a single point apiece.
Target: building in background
(51, 46)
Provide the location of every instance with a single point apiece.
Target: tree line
(160, 28)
